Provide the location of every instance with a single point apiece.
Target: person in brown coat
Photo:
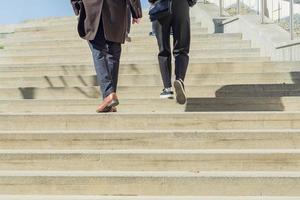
(104, 24)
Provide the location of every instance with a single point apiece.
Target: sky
(15, 11)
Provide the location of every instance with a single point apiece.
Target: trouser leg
(155, 25)
(113, 61)
(99, 48)
(182, 37)
(163, 28)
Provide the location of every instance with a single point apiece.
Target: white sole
(167, 97)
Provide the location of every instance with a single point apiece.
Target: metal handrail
(289, 45)
(238, 7)
(292, 19)
(262, 13)
(230, 20)
(221, 6)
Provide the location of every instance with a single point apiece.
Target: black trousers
(106, 55)
(179, 23)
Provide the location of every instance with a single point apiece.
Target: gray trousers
(106, 56)
(179, 23)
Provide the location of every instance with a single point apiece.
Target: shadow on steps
(250, 97)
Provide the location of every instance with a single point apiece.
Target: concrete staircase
(237, 138)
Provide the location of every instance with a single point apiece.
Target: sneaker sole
(180, 93)
(167, 97)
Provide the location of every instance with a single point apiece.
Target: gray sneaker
(180, 92)
(167, 93)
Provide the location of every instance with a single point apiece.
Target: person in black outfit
(179, 23)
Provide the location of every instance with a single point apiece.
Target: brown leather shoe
(113, 109)
(108, 103)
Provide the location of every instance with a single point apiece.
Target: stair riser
(151, 140)
(73, 34)
(128, 46)
(72, 27)
(150, 122)
(71, 197)
(151, 162)
(142, 69)
(150, 186)
(138, 60)
(127, 51)
(151, 80)
(272, 90)
(154, 105)
(144, 55)
(143, 39)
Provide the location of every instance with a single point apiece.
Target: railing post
(292, 19)
(262, 11)
(221, 8)
(238, 7)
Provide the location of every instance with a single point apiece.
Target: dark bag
(192, 2)
(160, 9)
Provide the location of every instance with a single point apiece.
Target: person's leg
(154, 28)
(99, 50)
(113, 61)
(181, 34)
(162, 30)
(182, 37)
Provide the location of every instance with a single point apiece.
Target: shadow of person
(247, 97)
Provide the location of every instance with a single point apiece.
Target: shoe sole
(180, 93)
(109, 107)
(167, 97)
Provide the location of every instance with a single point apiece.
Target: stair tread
(88, 197)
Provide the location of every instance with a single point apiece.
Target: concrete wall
(265, 36)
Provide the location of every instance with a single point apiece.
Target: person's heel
(108, 103)
(114, 103)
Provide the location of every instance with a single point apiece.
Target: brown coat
(114, 17)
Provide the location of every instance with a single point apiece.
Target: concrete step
(86, 197)
(50, 21)
(32, 70)
(206, 44)
(154, 105)
(151, 160)
(125, 49)
(143, 39)
(150, 139)
(135, 36)
(136, 31)
(71, 26)
(152, 80)
(231, 104)
(152, 53)
(211, 91)
(249, 183)
(152, 121)
(80, 106)
(66, 20)
(137, 60)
